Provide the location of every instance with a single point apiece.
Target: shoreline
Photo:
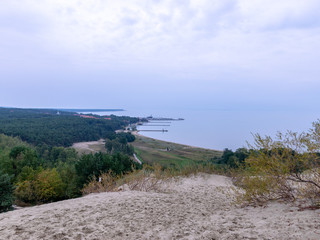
(136, 133)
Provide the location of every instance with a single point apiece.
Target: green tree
(68, 174)
(92, 165)
(49, 186)
(108, 145)
(6, 192)
(41, 186)
(23, 156)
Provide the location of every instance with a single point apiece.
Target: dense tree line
(32, 175)
(118, 143)
(53, 128)
(35, 165)
(232, 159)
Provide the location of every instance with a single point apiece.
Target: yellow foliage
(49, 186)
(286, 168)
(46, 186)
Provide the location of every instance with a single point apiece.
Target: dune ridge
(188, 208)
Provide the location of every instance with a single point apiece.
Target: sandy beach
(196, 207)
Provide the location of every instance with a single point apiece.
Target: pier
(163, 130)
(154, 121)
(155, 125)
(151, 118)
(164, 119)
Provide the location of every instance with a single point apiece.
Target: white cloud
(273, 14)
(184, 38)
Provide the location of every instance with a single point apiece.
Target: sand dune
(190, 208)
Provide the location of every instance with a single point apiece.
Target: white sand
(88, 147)
(193, 208)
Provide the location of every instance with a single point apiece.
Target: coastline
(136, 133)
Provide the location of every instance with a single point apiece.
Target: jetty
(156, 125)
(151, 121)
(151, 118)
(163, 130)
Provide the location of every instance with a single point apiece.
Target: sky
(213, 54)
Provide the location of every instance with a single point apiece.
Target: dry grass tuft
(150, 178)
(107, 183)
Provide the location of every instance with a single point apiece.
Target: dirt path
(137, 159)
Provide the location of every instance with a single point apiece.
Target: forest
(58, 128)
(36, 164)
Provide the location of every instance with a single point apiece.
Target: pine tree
(6, 192)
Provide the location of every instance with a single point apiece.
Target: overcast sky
(244, 54)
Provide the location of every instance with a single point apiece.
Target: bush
(107, 183)
(150, 178)
(40, 186)
(287, 168)
(49, 186)
(25, 192)
(6, 192)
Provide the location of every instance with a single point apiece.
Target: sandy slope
(89, 147)
(192, 208)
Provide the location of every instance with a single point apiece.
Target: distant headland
(88, 110)
(73, 109)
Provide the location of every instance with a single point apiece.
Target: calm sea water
(219, 129)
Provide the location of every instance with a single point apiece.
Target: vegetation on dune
(149, 178)
(287, 168)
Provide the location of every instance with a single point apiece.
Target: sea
(219, 129)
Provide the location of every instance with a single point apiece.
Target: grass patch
(169, 154)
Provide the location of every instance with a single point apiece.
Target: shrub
(25, 192)
(107, 183)
(150, 178)
(287, 168)
(40, 186)
(6, 192)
